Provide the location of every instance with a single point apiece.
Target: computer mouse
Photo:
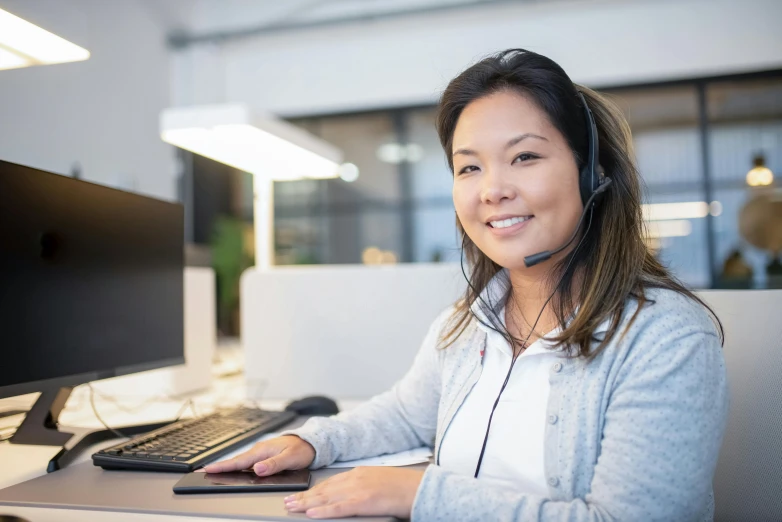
(314, 405)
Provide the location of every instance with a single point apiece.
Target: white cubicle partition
(748, 478)
(346, 331)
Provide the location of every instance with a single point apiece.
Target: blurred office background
(699, 80)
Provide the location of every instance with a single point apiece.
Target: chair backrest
(348, 331)
(748, 480)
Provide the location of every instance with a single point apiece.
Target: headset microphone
(534, 259)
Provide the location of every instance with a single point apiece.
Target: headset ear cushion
(586, 184)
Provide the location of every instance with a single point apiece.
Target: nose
(495, 187)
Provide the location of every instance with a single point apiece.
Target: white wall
(402, 61)
(103, 112)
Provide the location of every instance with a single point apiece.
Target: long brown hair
(612, 258)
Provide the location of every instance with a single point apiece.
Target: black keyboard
(186, 445)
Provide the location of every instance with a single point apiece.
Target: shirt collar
(494, 296)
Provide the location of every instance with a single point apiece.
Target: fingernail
(260, 468)
(289, 498)
(292, 504)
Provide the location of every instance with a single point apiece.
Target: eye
(525, 156)
(467, 169)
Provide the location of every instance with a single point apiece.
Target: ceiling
(190, 20)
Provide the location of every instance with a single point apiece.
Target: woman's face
(515, 183)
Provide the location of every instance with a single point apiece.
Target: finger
(272, 465)
(239, 462)
(323, 489)
(335, 510)
(304, 503)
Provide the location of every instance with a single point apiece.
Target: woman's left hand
(360, 491)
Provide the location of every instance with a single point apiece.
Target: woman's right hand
(269, 457)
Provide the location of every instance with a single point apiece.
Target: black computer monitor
(91, 286)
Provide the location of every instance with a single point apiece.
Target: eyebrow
(511, 143)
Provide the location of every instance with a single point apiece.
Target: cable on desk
(97, 415)
(182, 409)
(134, 409)
(256, 388)
(147, 402)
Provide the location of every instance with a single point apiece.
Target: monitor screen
(91, 281)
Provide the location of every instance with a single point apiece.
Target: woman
(584, 383)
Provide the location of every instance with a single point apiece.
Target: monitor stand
(40, 428)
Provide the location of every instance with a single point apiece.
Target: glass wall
(341, 220)
(664, 123)
(694, 142)
(745, 122)
(434, 217)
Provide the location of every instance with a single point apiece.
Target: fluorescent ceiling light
(673, 228)
(250, 141)
(23, 44)
(396, 153)
(683, 210)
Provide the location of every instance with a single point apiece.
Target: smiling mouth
(505, 223)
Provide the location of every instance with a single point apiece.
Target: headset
(592, 186)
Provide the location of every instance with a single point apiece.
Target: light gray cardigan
(633, 435)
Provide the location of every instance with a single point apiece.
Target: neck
(529, 292)
(531, 288)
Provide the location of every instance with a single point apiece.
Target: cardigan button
(552, 419)
(553, 482)
(556, 367)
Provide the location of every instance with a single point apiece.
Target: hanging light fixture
(261, 144)
(759, 175)
(23, 44)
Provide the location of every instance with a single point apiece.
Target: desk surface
(84, 493)
(21, 462)
(86, 487)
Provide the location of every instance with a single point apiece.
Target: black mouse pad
(242, 482)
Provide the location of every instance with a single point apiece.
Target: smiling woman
(501, 188)
(577, 379)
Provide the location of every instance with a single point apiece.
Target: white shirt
(514, 451)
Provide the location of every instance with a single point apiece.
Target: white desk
(79, 515)
(19, 463)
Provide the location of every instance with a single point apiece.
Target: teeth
(508, 222)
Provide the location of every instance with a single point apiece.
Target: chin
(511, 260)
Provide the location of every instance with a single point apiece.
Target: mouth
(502, 222)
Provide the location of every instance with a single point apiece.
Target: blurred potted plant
(231, 255)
